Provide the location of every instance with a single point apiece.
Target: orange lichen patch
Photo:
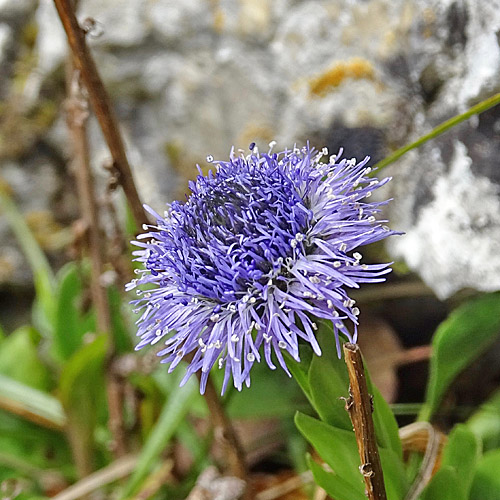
(219, 19)
(355, 68)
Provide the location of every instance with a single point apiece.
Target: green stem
(443, 127)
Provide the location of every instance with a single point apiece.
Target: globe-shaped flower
(263, 245)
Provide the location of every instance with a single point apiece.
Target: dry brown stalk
(360, 408)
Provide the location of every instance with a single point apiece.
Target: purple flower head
(261, 247)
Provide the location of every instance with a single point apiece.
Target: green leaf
(121, 334)
(485, 423)
(333, 484)
(384, 421)
(71, 323)
(337, 447)
(395, 479)
(82, 393)
(20, 361)
(300, 369)
(329, 382)
(173, 413)
(32, 402)
(444, 486)
(42, 273)
(462, 452)
(460, 339)
(486, 482)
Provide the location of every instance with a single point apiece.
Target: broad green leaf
(462, 452)
(395, 479)
(19, 359)
(445, 485)
(300, 369)
(460, 339)
(34, 404)
(485, 423)
(329, 382)
(173, 413)
(384, 421)
(333, 484)
(486, 482)
(339, 450)
(337, 447)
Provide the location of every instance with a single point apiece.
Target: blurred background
(193, 78)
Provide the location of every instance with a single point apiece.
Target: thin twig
(359, 405)
(101, 105)
(77, 114)
(225, 430)
(118, 469)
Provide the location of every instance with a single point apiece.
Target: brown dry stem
(101, 104)
(359, 405)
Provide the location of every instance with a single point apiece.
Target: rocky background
(194, 77)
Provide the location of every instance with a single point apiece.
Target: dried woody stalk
(101, 105)
(77, 115)
(360, 408)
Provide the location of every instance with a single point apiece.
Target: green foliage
(458, 341)
(486, 482)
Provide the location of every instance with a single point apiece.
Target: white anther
(329, 304)
(314, 279)
(282, 344)
(147, 295)
(252, 300)
(343, 247)
(215, 317)
(357, 255)
(360, 215)
(335, 314)
(272, 144)
(221, 362)
(258, 327)
(218, 344)
(293, 243)
(251, 357)
(234, 338)
(324, 151)
(201, 343)
(267, 338)
(245, 299)
(299, 237)
(314, 326)
(355, 311)
(371, 218)
(337, 263)
(158, 332)
(210, 158)
(270, 282)
(364, 267)
(368, 194)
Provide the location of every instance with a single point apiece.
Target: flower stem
(443, 127)
(360, 408)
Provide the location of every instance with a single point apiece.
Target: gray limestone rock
(192, 78)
